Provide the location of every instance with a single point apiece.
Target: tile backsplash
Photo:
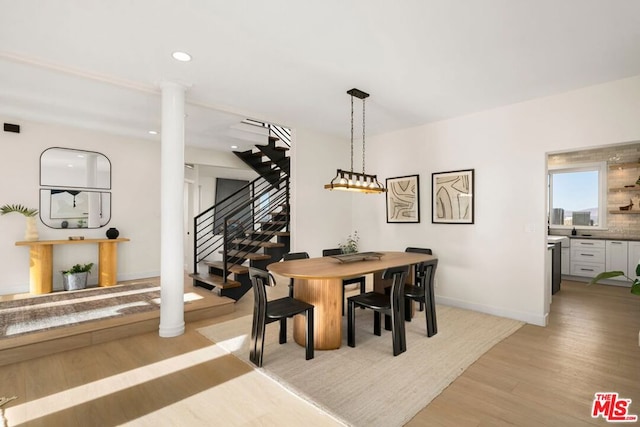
(618, 225)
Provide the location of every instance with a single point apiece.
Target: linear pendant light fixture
(356, 181)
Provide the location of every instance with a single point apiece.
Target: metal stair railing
(281, 132)
(206, 228)
(239, 218)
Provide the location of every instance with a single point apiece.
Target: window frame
(601, 168)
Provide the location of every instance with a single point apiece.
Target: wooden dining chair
(265, 312)
(291, 256)
(391, 305)
(346, 282)
(423, 291)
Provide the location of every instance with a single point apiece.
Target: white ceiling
(98, 64)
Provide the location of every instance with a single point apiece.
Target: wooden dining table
(318, 281)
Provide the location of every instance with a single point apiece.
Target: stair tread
(271, 232)
(273, 147)
(216, 281)
(267, 164)
(233, 268)
(248, 255)
(260, 243)
(248, 153)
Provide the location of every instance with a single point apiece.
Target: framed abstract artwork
(453, 197)
(403, 199)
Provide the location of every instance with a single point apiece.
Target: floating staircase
(246, 232)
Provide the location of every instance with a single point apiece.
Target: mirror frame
(73, 221)
(101, 215)
(73, 154)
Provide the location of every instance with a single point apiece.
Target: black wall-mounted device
(8, 127)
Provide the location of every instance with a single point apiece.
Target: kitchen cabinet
(617, 258)
(587, 257)
(556, 264)
(566, 260)
(565, 252)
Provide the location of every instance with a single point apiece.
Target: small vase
(31, 232)
(113, 233)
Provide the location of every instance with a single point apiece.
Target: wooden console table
(41, 261)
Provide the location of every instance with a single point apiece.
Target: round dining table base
(326, 297)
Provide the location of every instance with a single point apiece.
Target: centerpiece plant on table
(351, 244)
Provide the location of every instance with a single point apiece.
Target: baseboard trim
(532, 318)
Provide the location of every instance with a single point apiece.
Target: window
(577, 196)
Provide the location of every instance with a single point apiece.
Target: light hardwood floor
(538, 376)
(548, 376)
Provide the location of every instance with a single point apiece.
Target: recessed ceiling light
(181, 56)
(153, 132)
(234, 147)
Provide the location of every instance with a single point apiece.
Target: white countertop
(556, 239)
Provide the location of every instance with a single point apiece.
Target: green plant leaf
(635, 288)
(5, 209)
(79, 268)
(638, 270)
(606, 275)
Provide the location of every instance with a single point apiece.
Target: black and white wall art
(403, 199)
(453, 197)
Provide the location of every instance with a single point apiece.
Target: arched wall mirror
(66, 208)
(64, 167)
(71, 181)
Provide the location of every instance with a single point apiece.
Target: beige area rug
(63, 309)
(366, 385)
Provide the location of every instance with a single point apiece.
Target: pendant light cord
(351, 133)
(363, 127)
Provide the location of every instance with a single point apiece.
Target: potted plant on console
(31, 232)
(76, 277)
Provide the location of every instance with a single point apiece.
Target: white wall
(496, 265)
(223, 159)
(321, 219)
(135, 202)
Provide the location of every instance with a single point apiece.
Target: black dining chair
(346, 282)
(423, 291)
(265, 312)
(391, 305)
(291, 256)
(426, 251)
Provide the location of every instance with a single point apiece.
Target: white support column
(171, 209)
